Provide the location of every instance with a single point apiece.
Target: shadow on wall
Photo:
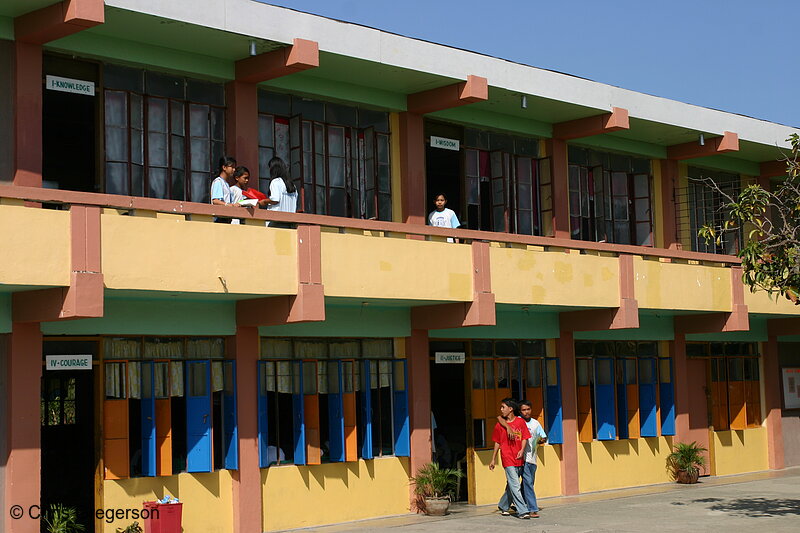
(750, 507)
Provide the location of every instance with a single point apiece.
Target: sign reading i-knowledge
(68, 85)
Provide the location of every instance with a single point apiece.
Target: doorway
(443, 168)
(448, 405)
(69, 457)
(69, 128)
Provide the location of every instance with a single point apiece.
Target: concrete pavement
(764, 501)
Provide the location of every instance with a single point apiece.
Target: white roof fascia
(251, 18)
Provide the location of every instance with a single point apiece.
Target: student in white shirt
(538, 436)
(442, 217)
(282, 190)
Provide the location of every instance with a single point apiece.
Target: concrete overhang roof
(221, 30)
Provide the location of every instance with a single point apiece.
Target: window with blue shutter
(298, 416)
(555, 433)
(198, 416)
(647, 396)
(402, 445)
(264, 378)
(230, 431)
(148, 418)
(335, 412)
(666, 396)
(604, 398)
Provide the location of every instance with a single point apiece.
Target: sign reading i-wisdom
(68, 362)
(68, 85)
(444, 142)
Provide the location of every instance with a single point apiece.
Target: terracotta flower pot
(437, 506)
(682, 476)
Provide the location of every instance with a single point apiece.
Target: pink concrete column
(565, 349)
(772, 403)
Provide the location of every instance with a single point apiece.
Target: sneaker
(534, 515)
(525, 516)
(504, 512)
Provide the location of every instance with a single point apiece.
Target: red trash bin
(162, 517)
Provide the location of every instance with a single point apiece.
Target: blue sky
(734, 55)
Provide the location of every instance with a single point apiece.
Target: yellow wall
(173, 254)
(490, 484)
(616, 464)
(761, 302)
(207, 499)
(738, 451)
(554, 278)
(304, 496)
(385, 267)
(38, 240)
(703, 288)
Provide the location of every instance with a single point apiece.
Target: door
(67, 432)
(698, 413)
(448, 393)
(69, 144)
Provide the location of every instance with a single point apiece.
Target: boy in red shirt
(511, 455)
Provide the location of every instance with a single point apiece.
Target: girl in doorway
(443, 217)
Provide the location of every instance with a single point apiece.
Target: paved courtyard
(762, 502)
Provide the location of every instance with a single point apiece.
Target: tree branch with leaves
(771, 253)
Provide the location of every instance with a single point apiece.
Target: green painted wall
(476, 117)
(727, 164)
(651, 328)
(5, 313)
(510, 325)
(320, 88)
(349, 321)
(152, 317)
(7, 28)
(129, 52)
(757, 333)
(619, 144)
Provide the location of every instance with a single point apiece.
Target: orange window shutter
(350, 435)
(478, 403)
(536, 397)
(736, 400)
(164, 437)
(634, 427)
(585, 432)
(116, 454)
(753, 406)
(311, 414)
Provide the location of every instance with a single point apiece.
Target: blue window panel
(148, 417)
(198, 416)
(667, 400)
(299, 424)
(402, 444)
(263, 414)
(622, 400)
(555, 433)
(605, 409)
(335, 412)
(520, 392)
(647, 396)
(230, 430)
(366, 407)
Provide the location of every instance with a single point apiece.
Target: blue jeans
(513, 492)
(528, 477)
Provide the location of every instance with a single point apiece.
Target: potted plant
(62, 519)
(133, 528)
(434, 486)
(685, 461)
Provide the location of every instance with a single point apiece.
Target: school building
(274, 378)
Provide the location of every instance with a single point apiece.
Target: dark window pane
(275, 103)
(377, 119)
(339, 114)
(118, 77)
(137, 180)
(310, 109)
(159, 84)
(200, 187)
(117, 178)
(205, 92)
(157, 178)
(177, 185)
(198, 121)
(157, 149)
